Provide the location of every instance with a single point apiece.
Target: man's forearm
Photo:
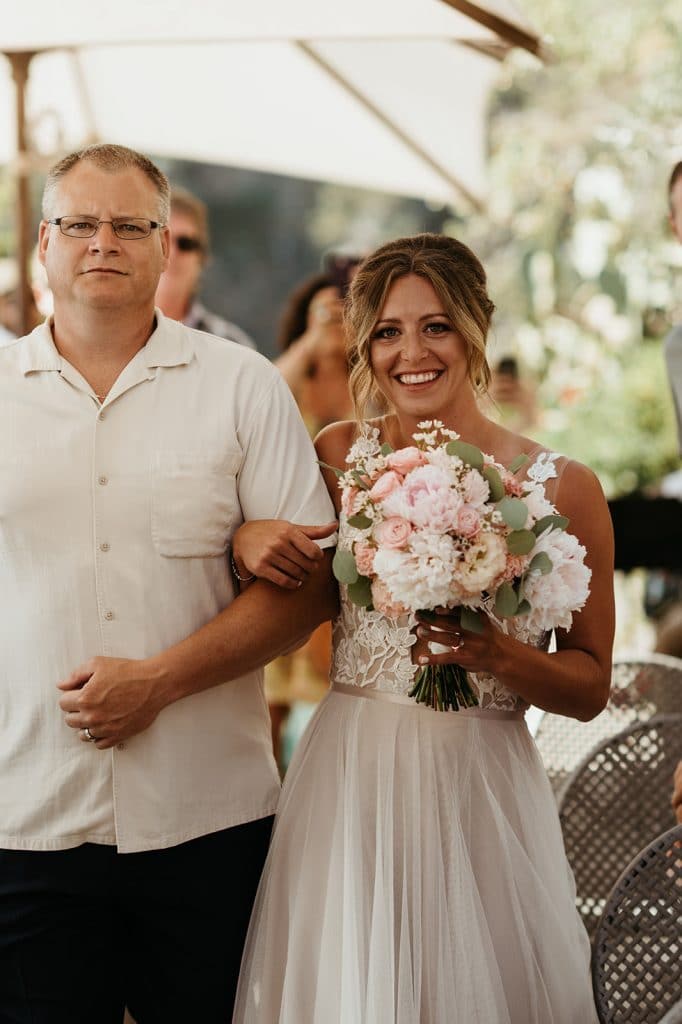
(261, 623)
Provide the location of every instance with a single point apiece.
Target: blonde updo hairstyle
(458, 278)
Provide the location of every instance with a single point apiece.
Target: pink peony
(364, 558)
(393, 532)
(468, 521)
(427, 499)
(406, 459)
(383, 602)
(385, 485)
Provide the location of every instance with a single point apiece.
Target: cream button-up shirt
(115, 521)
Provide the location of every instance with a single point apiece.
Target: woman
(417, 872)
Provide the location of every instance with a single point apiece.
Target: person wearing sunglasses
(178, 293)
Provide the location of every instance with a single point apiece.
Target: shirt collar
(168, 345)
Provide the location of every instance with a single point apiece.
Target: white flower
(537, 504)
(483, 562)
(422, 577)
(562, 591)
(365, 446)
(476, 489)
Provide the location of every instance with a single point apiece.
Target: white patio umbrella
(377, 93)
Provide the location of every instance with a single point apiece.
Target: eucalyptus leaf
(514, 512)
(357, 476)
(344, 567)
(468, 453)
(521, 542)
(325, 465)
(552, 522)
(362, 522)
(494, 483)
(360, 592)
(506, 601)
(524, 607)
(471, 620)
(541, 563)
(386, 449)
(519, 461)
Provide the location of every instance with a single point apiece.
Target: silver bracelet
(235, 571)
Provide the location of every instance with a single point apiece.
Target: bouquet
(441, 524)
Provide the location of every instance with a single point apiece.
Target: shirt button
(104, 546)
(109, 615)
(101, 415)
(102, 481)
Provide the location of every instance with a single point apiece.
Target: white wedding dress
(417, 873)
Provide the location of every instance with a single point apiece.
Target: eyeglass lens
(124, 227)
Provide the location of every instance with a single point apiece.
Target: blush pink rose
(393, 532)
(406, 459)
(364, 558)
(383, 601)
(468, 521)
(385, 485)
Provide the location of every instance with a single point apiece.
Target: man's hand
(114, 698)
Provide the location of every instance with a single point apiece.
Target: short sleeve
(280, 477)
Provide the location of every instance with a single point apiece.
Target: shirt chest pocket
(194, 503)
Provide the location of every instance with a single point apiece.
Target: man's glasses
(186, 243)
(128, 228)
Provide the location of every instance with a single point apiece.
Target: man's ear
(43, 238)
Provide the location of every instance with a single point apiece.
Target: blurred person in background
(513, 397)
(178, 291)
(314, 364)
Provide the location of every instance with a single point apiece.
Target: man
(136, 796)
(178, 287)
(673, 342)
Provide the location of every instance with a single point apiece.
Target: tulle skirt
(416, 876)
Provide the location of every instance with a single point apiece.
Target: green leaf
(325, 465)
(514, 512)
(468, 453)
(552, 521)
(362, 522)
(506, 601)
(519, 461)
(360, 592)
(344, 567)
(494, 483)
(471, 620)
(524, 607)
(521, 542)
(541, 563)
(386, 449)
(357, 476)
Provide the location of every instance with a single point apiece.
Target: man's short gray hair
(108, 158)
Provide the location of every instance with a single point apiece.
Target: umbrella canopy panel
(405, 117)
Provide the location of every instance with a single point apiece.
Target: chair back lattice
(612, 805)
(637, 953)
(640, 689)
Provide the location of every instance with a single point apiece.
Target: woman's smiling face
(418, 359)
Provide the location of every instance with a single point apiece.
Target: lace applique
(371, 650)
(543, 468)
(366, 445)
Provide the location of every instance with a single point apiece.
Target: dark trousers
(87, 931)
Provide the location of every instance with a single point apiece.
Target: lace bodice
(371, 650)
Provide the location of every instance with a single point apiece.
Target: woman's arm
(574, 680)
(282, 552)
